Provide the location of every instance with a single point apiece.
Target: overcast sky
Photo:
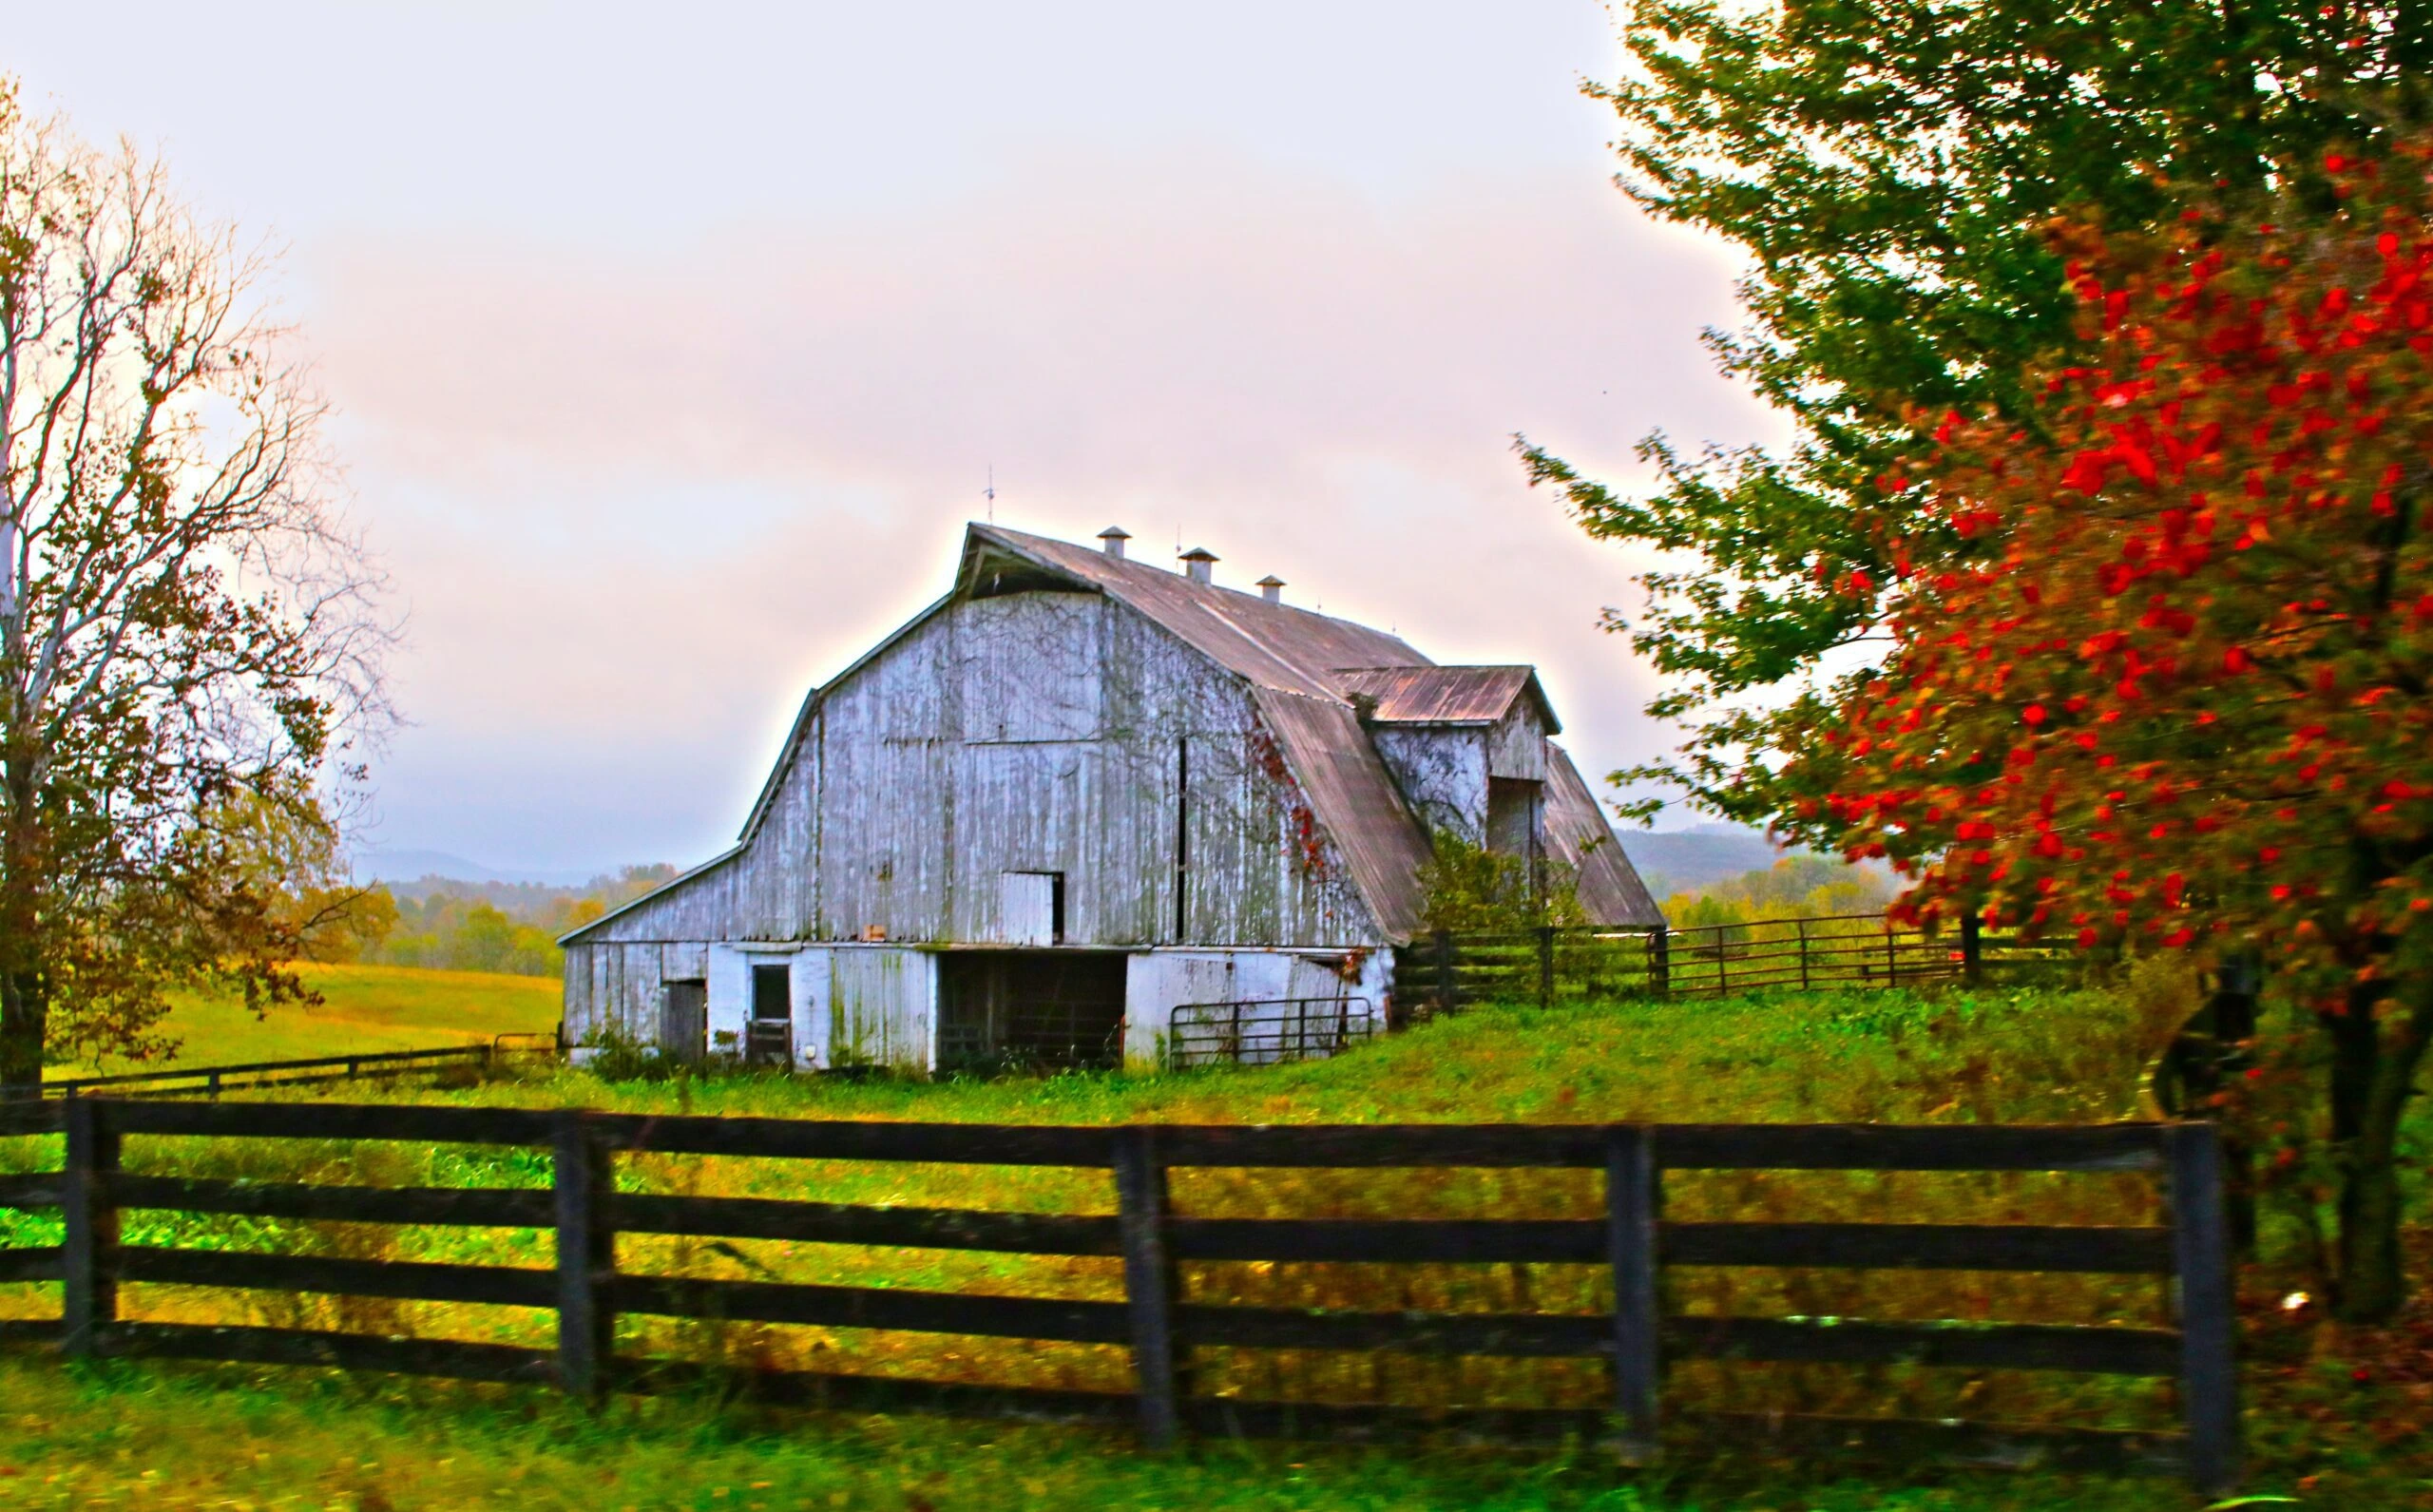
(673, 345)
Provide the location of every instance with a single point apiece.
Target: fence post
(1546, 966)
(1803, 954)
(1892, 954)
(1630, 1209)
(1972, 949)
(1148, 1282)
(88, 1259)
(2201, 1264)
(1659, 962)
(1443, 971)
(587, 1255)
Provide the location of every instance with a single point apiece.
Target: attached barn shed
(1077, 793)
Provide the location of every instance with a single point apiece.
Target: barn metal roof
(1274, 645)
(1445, 695)
(1576, 834)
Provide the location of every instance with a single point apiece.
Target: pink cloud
(641, 499)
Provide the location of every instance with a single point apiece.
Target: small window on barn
(772, 999)
(1031, 907)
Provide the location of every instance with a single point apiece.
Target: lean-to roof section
(1355, 802)
(1576, 834)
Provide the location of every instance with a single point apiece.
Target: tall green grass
(2020, 1056)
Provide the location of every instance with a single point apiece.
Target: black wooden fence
(1159, 1322)
(211, 1081)
(1446, 971)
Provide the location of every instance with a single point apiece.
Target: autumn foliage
(2159, 658)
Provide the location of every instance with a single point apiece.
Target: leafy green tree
(184, 620)
(1887, 165)
(2181, 698)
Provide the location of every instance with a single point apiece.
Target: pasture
(247, 1436)
(363, 1008)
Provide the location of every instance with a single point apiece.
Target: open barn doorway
(1032, 1009)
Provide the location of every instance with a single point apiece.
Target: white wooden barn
(1073, 794)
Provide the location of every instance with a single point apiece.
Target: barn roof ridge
(1278, 645)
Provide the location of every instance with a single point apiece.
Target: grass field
(2322, 1432)
(363, 1008)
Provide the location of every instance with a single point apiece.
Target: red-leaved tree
(2169, 680)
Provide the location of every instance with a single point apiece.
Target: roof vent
(1198, 562)
(1112, 540)
(1272, 589)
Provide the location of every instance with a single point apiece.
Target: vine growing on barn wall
(1307, 842)
(1467, 887)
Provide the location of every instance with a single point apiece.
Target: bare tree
(186, 629)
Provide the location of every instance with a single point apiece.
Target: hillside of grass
(363, 1008)
(2337, 1420)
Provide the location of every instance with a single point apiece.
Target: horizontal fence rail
(1156, 1321)
(210, 1081)
(1449, 971)
(1265, 1031)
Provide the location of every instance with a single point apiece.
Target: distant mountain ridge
(380, 864)
(1682, 860)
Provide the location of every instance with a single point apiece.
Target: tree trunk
(2373, 1074)
(24, 1021)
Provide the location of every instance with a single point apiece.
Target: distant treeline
(1797, 887)
(513, 927)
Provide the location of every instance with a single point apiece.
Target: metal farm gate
(1444, 971)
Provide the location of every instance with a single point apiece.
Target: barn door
(1032, 908)
(683, 1019)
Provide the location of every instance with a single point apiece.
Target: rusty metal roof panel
(1445, 695)
(1576, 834)
(1273, 644)
(1382, 843)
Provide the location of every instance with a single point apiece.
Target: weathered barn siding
(937, 766)
(884, 1009)
(1158, 982)
(1442, 771)
(1516, 745)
